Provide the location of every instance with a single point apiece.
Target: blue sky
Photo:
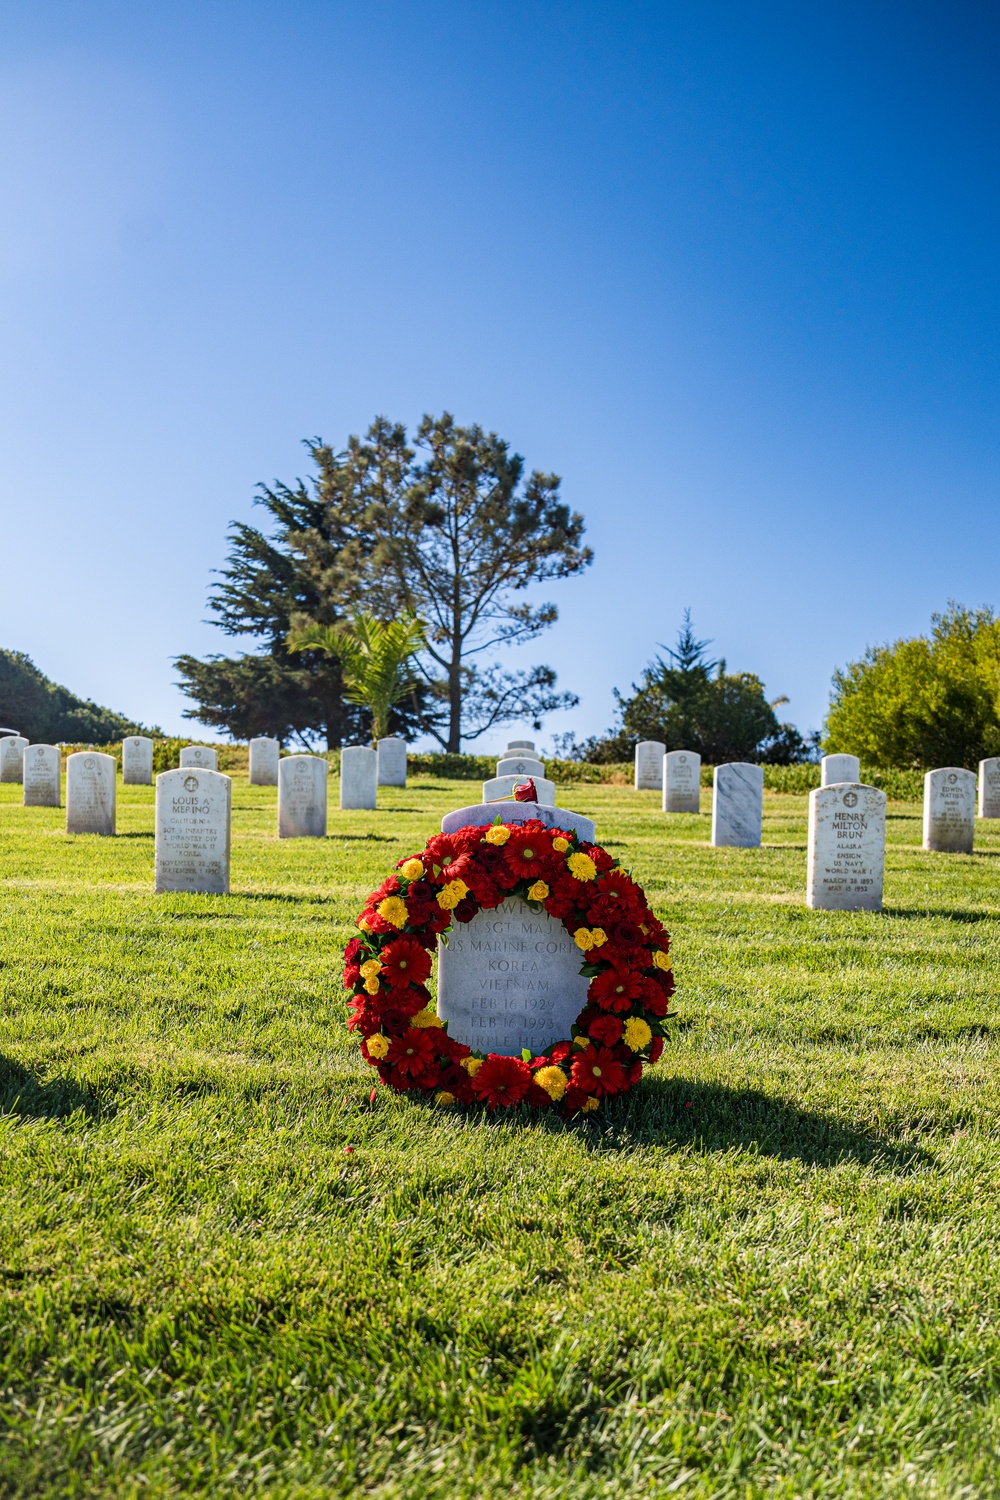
(730, 270)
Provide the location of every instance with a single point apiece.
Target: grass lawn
(774, 1270)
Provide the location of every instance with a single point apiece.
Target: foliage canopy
(47, 713)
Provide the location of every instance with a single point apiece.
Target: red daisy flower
(412, 1054)
(615, 989)
(528, 853)
(598, 1071)
(621, 888)
(502, 1080)
(403, 962)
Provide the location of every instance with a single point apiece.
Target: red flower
(655, 1049)
(615, 989)
(466, 910)
(560, 1052)
(389, 887)
(626, 933)
(574, 1098)
(606, 1029)
(598, 1071)
(528, 851)
(616, 886)
(403, 962)
(353, 949)
(525, 791)
(413, 1053)
(502, 1080)
(602, 859)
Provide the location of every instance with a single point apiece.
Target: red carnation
(502, 1080)
(574, 1098)
(655, 1049)
(560, 1052)
(606, 1029)
(615, 989)
(602, 859)
(404, 962)
(354, 948)
(412, 1054)
(597, 1070)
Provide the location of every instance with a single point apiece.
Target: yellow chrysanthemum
(412, 869)
(371, 984)
(561, 844)
(538, 891)
(444, 1097)
(393, 909)
(552, 1080)
(370, 966)
(590, 1103)
(661, 960)
(378, 1045)
(599, 936)
(637, 1034)
(472, 1065)
(426, 1017)
(583, 938)
(497, 835)
(581, 866)
(451, 894)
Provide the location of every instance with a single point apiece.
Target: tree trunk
(455, 707)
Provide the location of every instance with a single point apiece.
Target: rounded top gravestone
(649, 765)
(682, 782)
(12, 748)
(302, 797)
(846, 843)
(137, 760)
(264, 757)
(90, 792)
(42, 776)
(949, 810)
(193, 818)
(200, 756)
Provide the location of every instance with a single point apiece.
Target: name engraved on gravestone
(90, 793)
(846, 842)
(12, 748)
(949, 810)
(193, 816)
(989, 788)
(41, 776)
(738, 805)
(649, 765)
(681, 782)
(392, 761)
(302, 797)
(834, 768)
(510, 979)
(358, 777)
(520, 765)
(501, 787)
(137, 760)
(264, 757)
(199, 757)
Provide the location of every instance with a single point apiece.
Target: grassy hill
(771, 1271)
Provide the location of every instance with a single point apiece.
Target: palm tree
(372, 656)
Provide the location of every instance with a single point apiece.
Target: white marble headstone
(503, 786)
(738, 805)
(201, 757)
(649, 765)
(681, 782)
(302, 797)
(42, 776)
(193, 818)
(137, 760)
(392, 761)
(515, 745)
(949, 810)
(846, 860)
(91, 783)
(989, 788)
(12, 748)
(480, 815)
(834, 768)
(520, 765)
(264, 757)
(358, 777)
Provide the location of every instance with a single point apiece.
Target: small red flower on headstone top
(525, 791)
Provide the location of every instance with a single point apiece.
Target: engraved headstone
(738, 805)
(503, 786)
(834, 768)
(392, 761)
(302, 797)
(520, 765)
(510, 979)
(649, 765)
(12, 748)
(681, 782)
(846, 860)
(193, 816)
(41, 776)
(358, 777)
(264, 756)
(989, 788)
(200, 758)
(90, 792)
(949, 810)
(137, 760)
(480, 815)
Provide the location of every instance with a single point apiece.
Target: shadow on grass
(24, 1094)
(950, 914)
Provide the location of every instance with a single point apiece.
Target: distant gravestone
(302, 797)
(41, 776)
(681, 782)
(358, 777)
(514, 745)
(12, 748)
(846, 860)
(649, 765)
(193, 817)
(949, 810)
(137, 760)
(200, 758)
(738, 805)
(503, 786)
(834, 768)
(392, 761)
(989, 788)
(91, 781)
(264, 757)
(520, 765)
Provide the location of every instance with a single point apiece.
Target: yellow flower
(364, 925)
(371, 984)
(412, 869)
(378, 1045)
(581, 866)
(538, 891)
(426, 1017)
(590, 1103)
(561, 844)
(599, 936)
(661, 960)
(581, 1041)
(444, 1097)
(644, 929)
(637, 1034)
(451, 894)
(497, 834)
(393, 909)
(552, 1080)
(472, 1065)
(370, 966)
(583, 939)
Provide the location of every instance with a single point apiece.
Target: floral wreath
(625, 956)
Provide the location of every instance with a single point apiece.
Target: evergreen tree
(49, 714)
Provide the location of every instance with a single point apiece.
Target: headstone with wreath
(846, 844)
